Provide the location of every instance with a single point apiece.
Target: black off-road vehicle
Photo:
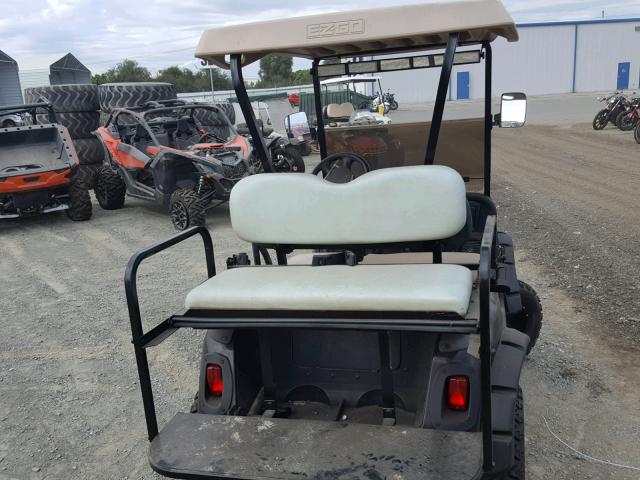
(387, 352)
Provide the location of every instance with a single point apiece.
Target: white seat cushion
(339, 110)
(400, 204)
(374, 288)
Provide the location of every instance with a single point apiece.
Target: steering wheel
(338, 168)
(206, 136)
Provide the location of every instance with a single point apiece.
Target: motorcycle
(628, 119)
(376, 101)
(390, 99)
(615, 104)
(286, 154)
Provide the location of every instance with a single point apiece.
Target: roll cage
(32, 109)
(143, 116)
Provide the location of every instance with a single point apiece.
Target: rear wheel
(79, 204)
(294, 159)
(601, 120)
(517, 471)
(186, 209)
(636, 133)
(393, 105)
(8, 124)
(529, 321)
(109, 188)
(626, 121)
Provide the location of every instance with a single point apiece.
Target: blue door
(623, 75)
(463, 85)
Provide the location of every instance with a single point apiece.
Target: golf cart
(185, 156)
(39, 166)
(377, 344)
(357, 98)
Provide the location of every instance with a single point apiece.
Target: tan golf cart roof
(410, 27)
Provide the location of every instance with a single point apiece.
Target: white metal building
(558, 57)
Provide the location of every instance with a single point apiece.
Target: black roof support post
(317, 97)
(247, 110)
(488, 116)
(441, 98)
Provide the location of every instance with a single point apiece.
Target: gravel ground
(70, 404)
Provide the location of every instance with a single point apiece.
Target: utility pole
(213, 98)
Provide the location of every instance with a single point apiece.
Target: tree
(275, 71)
(301, 77)
(125, 71)
(184, 79)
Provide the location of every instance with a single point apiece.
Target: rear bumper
(213, 446)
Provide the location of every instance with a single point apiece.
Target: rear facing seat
(394, 205)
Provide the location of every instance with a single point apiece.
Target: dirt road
(69, 402)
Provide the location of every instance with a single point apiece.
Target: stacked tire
(77, 108)
(133, 94)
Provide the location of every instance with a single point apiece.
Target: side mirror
(297, 125)
(513, 110)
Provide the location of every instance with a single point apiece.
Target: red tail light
(214, 380)
(458, 393)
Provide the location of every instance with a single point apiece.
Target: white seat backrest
(383, 206)
(339, 110)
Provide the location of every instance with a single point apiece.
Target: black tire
(79, 204)
(8, 124)
(85, 176)
(66, 98)
(517, 471)
(123, 95)
(209, 118)
(529, 321)
(393, 105)
(295, 160)
(601, 120)
(636, 133)
(79, 124)
(89, 150)
(109, 188)
(625, 122)
(186, 209)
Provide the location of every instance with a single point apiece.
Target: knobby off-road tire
(79, 204)
(624, 122)
(109, 188)
(636, 133)
(209, 118)
(601, 120)
(517, 471)
(123, 95)
(79, 124)
(66, 98)
(529, 321)
(295, 160)
(89, 150)
(186, 209)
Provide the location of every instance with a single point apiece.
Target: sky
(161, 33)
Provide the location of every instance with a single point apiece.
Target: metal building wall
(10, 91)
(601, 47)
(542, 62)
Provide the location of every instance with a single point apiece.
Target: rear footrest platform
(257, 448)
